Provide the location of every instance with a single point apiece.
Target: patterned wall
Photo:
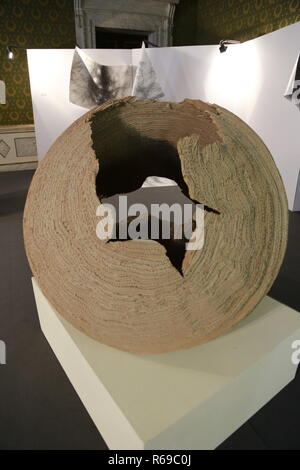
(31, 24)
(233, 19)
(185, 23)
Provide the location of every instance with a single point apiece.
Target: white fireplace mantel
(153, 16)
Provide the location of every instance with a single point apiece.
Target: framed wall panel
(17, 148)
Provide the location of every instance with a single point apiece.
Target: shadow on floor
(11, 203)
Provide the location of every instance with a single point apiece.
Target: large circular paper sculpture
(127, 294)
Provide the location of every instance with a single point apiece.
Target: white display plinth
(190, 399)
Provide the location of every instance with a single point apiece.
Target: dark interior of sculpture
(127, 160)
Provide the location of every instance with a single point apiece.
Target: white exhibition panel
(249, 79)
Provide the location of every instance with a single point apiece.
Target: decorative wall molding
(4, 148)
(17, 148)
(25, 147)
(2, 92)
(155, 16)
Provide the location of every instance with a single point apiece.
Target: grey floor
(39, 408)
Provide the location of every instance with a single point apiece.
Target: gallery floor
(39, 408)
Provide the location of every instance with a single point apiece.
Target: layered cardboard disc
(128, 294)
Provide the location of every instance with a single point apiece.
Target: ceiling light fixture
(225, 42)
(10, 53)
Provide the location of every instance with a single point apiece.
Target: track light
(222, 48)
(225, 42)
(10, 54)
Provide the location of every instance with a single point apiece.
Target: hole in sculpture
(128, 155)
(165, 222)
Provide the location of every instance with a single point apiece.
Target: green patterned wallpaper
(231, 19)
(185, 23)
(30, 24)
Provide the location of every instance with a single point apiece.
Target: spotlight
(10, 54)
(9, 51)
(224, 44)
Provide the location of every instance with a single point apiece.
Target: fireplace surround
(152, 16)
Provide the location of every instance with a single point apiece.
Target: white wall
(249, 79)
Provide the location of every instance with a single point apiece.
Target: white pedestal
(191, 399)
